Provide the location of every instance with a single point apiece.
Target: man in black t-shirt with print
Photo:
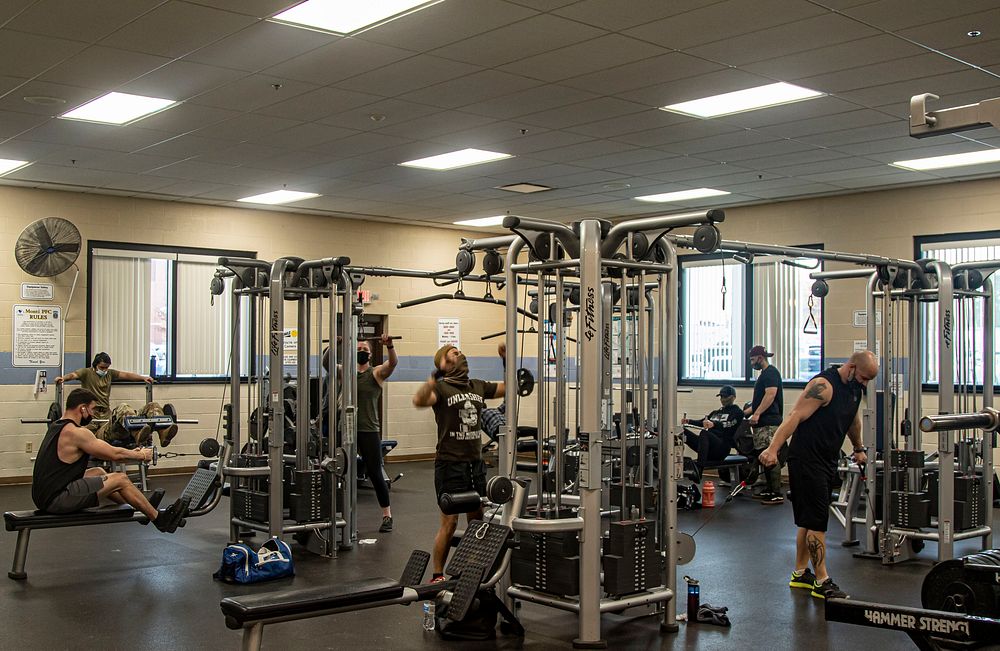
(716, 439)
(458, 402)
(764, 414)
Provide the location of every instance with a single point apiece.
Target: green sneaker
(805, 580)
(828, 590)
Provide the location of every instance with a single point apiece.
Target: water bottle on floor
(428, 615)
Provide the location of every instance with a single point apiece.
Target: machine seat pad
(17, 520)
(731, 460)
(307, 601)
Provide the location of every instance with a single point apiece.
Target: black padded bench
(24, 521)
(731, 462)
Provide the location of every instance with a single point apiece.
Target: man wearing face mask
(458, 403)
(370, 379)
(764, 414)
(716, 439)
(826, 411)
(62, 483)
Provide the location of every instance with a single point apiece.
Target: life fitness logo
(590, 316)
(946, 330)
(276, 335)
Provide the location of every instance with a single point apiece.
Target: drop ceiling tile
(900, 144)
(616, 128)
(614, 162)
(213, 173)
(664, 166)
(394, 111)
(79, 21)
(582, 150)
(102, 136)
(800, 36)
(828, 123)
(810, 162)
(20, 149)
(319, 103)
(342, 167)
(190, 188)
(801, 190)
(407, 75)
(254, 92)
(837, 139)
(341, 59)
(887, 72)
(533, 100)
(723, 141)
(682, 90)
(310, 134)
(477, 87)
(896, 15)
(929, 148)
(526, 38)
(291, 161)
(73, 96)
(244, 153)
(174, 29)
(833, 58)
(247, 126)
(12, 8)
(100, 159)
(678, 129)
(591, 110)
(861, 169)
(255, 8)
(582, 178)
(361, 143)
(753, 152)
(13, 122)
(819, 107)
(941, 85)
(186, 117)
(662, 68)
(981, 53)
(181, 80)
(484, 136)
(435, 124)
(583, 58)
(722, 20)
(131, 183)
(185, 146)
(260, 46)
(445, 23)
(27, 55)
(537, 141)
(103, 67)
(609, 14)
(72, 176)
(698, 172)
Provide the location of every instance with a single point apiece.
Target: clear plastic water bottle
(428, 615)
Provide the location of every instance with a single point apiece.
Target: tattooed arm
(816, 394)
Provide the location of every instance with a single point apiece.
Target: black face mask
(85, 420)
(363, 356)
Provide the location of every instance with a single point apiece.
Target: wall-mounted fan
(47, 247)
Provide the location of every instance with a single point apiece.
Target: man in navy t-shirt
(764, 414)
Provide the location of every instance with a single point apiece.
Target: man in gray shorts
(62, 483)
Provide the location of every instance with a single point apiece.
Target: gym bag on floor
(242, 564)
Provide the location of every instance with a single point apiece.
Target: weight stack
(547, 562)
(631, 563)
(970, 503)
(911, 510)
(907, 459)
(310, 499)
(632, 496)
(249, 504)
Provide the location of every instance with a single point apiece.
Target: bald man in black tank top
(826, 411)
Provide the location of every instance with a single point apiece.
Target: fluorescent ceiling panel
(954, 160)
(740, 101)
(278, 197)
(8, 165)
(348, 16)
(118, 108)
(482, 221)
(524, 188)
(455, 159)
(682, 195)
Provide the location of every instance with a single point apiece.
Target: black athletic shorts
(811, 485)
(459, 477)
(78, 495)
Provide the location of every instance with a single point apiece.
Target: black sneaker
(806, 580)
(386, 524)
(828, 590)
(763, 495)
(173, 516)
(773, 498)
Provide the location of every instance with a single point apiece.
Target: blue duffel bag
(242, 564)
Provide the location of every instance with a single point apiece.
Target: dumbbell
(499, 490)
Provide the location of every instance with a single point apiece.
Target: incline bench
(475, 556)
(201, 484)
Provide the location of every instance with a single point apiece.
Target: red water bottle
(708, 494)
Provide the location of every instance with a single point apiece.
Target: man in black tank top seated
(370, 379)
(458, 403)
(62, 483)
(823, 414)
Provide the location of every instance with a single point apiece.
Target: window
(955, 248)
(151, 310)
(766, 302)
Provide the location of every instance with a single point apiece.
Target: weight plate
(170, 410)
(465, 261)
(492, 263)
(209, 448)
(707, 238)
(685, 548)
(499, 489)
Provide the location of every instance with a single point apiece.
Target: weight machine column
(302, 380)
(349, 398)
(988, 437)
(869, 431)
(946, 400)
(276, 327)
(595, 358)
(671, 452)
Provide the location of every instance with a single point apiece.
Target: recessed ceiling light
(43, 100)
(348, 17)
(454, 159)
(683, 195)
(523, 188)
(954, 160)
(8, 165)
(482, 221)
(278, 197)
(616, 186)
(975, 33)
(118, 108)
(376, 117)
(739, 101)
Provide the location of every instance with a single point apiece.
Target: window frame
(919, 241)
(748, 286)
(172, 378)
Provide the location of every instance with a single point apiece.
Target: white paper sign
(37, 335)
(36, 291)
(861, 318)
(448, 332)
(291, 348)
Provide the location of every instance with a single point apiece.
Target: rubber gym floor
(125, 586)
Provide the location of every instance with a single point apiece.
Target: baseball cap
(726, 391)
(758, 351)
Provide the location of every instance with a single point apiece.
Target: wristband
(856, 450)
(390, 347)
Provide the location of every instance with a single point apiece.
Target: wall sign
(37, 336)
(448, 332)
(36, 291)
